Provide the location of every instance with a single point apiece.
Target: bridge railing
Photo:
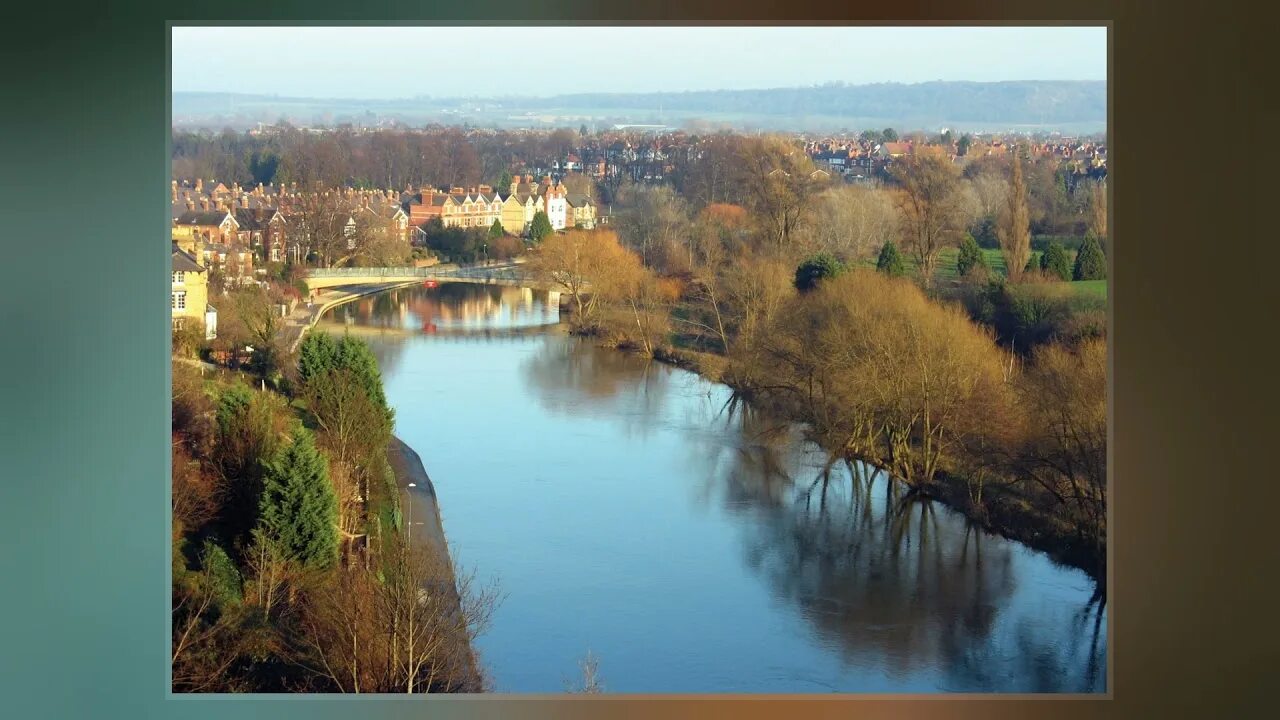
(425, 272)
(478, 272)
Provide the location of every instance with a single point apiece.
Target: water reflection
(761, 540)
(907, 584)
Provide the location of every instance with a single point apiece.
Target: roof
(202, 217)
(579, 200)
(183, 262)
(255, 219)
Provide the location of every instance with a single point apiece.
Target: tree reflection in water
(887, 578)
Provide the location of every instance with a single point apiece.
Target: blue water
(625, 510)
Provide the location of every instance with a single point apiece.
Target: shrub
(224, 579)
(890, 260)
(1091, 264)
(1054, 262)
(815, 269)
(985, 233)
(970, 257)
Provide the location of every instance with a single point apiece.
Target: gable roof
(184, 262)
(203, 217)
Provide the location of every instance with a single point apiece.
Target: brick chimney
(204, 204)
(199, 184)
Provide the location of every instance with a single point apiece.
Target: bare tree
(1098, 208)
(583, 264)
(853, 222)
(591, 682)
(935, 210)
(1015, 224)
(410, 632)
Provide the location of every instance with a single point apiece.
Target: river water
(626, 508)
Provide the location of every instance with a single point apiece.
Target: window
(180, 300)
(179, 277)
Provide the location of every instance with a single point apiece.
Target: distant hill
(1021, 102)
(1044, 104)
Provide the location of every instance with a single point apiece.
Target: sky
(403, 62)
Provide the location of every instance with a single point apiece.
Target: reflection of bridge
(510, 274)
(457, 334)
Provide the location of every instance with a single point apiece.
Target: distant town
(572, 178)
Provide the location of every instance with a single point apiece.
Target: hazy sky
(396, 62)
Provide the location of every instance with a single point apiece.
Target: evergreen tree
(232, 404)
(1091, 264)
(495, 230)
(815, 269)
(1054, 262)
(316, 356)
(504, 182)
(540, 227)
(354, 355)
(890, 260)
(298, 510)
(970, 256)
(222, 573)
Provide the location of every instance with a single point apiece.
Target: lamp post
(408, 523)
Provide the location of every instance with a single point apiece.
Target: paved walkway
(304, 316)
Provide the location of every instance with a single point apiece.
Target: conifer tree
(1091, 264)
(890, 261)
(540, 227)
(970, 256)
(1054, 262)
(298, 510)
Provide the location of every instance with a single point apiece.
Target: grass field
(946, 270)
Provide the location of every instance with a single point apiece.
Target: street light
(408, 525)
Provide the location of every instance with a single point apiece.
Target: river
(627, 509)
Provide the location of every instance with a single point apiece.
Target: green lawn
(1096, 288)
(995, 260)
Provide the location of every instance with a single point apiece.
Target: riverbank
(1000, 514)
(426, 530)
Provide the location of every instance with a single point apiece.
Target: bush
(815, 269)
(1028, 315)
(1091, 264)
(1054, 262)
(985, 233)
(890, 260)
(224, 578)
(970, 257)
(188, 339)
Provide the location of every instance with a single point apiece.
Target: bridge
(510, 274)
